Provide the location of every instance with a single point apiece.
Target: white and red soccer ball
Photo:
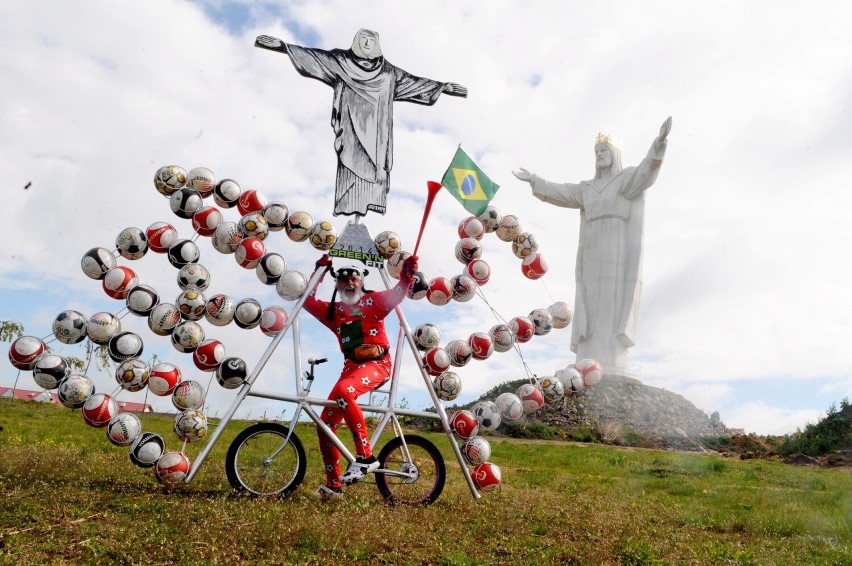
(440, 291)
(123, 429)
(205, 220)
(532, 397)
(534, 266)
(476, 450)
(273, 320)
(468, 249)
(118, 281)
(523, 328)
(502, 337)
(163, 378)
(486, 476)
(479, 270)
(98, 410)
(251, 201)
(471, 227)
(188, 394)
(464, 424)
(481, 345)
(571, 380)
(208, 355)
(202, 180)
(436, 361)
(591, 370)
(459, 351)
(160, 236)
(510, 405)
(464, 287)
(172, 467)
(219, 310)
(249, 252)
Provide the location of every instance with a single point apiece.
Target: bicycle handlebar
(317, 361)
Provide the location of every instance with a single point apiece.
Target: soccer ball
(147, 449)
(123, 429)
(571, 379)
(97, 262)
(160, 236)
(490, 219)
(163, 319)
(25, 351)
(532, 397)
(298, 226)
(132, 375)
(142, 299)
(172, 467)
(471, 227)
(510, 405)
(464, 287)
(169, 178)
(248, 313)
(524, 245)
(468, 249)
(436, 361)
(551, 388)
(193, 277)
(190, 425)
(102, 326)
(188, 395)
(291, 285)
(270, 267)
(118, 281)
(387, 243)
(124, 346)
(591, 370)
(205, 220)
(187, 336)
(231, 373)
(488, 415)
(534, 266)
(69, 327)
(509, 228)
(561, 313)
(185, 202)
(249, 252)
(427, 335)
(464, 424)
(276, 214)
(394, 265)
(323, 235)
(49, 370)
(98, 410)
(440, 291)
(163, 379)
(226, 237)
(523, 328)
(251, 201)
(219, 310)
(419, 286)
(227, 193)
(486, 476)
(183, 252)
(273, 320)
(481, 345)
(254, 224)
(202, 180)
(208, 355)
(191, 304)
(476, 450)
(74, 390)
(447, 385)
(459, 352)
(131, 243)
(479, 270)
(502, 337)
(542, 320)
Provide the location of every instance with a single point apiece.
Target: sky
(745, 302)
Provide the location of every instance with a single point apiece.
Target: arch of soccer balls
(245, 239)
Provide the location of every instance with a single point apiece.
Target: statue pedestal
(620, 373)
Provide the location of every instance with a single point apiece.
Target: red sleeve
(319, 309)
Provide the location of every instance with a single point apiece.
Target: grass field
(68, 496)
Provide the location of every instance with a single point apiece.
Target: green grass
(68, 496)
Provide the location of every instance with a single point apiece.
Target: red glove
(323, 262)
(409, 267)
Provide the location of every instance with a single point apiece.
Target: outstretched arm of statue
(659, 147)
(454, 89)
(271, 43)
(523, 175)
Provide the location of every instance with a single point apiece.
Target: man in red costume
(358, 321)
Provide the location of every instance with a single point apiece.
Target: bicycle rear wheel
(260, 463)
(414, 480)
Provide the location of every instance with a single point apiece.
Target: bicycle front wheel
(260, 462)
(411, 472)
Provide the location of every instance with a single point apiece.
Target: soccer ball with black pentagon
(187, 336)
(488, 415)
(193, 277)
(131, 243)
(74, 390)
(132, 375)
(69, 327)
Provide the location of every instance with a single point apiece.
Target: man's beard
(351, 295)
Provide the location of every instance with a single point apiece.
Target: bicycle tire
(250, 469)
(427, 469)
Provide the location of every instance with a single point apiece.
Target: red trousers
(356, 379)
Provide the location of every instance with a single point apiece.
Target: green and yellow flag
(471, 187)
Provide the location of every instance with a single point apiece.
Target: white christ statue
(609, 254)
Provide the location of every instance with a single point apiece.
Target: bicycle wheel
(422, 475)
(260, 463)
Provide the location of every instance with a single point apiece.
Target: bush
(834, 432)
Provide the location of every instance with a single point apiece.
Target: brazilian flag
(471, 187)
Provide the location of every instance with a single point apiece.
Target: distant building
(49, 397)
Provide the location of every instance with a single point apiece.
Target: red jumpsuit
(361, 323)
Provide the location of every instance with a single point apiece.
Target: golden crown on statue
(609, 139)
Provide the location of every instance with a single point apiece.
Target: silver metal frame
(304, 402)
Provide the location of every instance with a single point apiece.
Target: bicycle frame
(305, 403)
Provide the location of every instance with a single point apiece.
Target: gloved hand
(323, 262)
(409, 266)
